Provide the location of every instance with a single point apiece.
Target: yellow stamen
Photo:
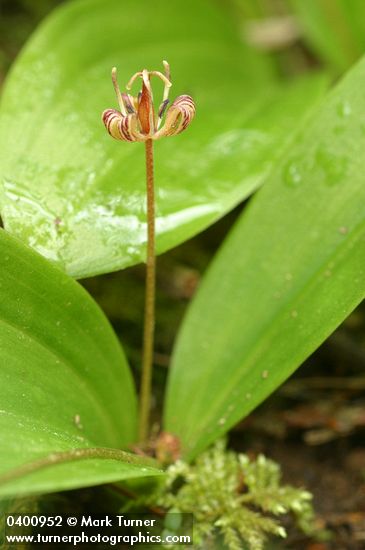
(117, 91)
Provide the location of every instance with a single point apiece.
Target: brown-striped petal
(120, 126)
(179, 116)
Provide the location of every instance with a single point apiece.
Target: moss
(233, 498)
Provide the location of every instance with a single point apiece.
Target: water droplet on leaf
(344, 109)
(291, 174)
(333, 166)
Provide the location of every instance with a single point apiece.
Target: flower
(137, 121)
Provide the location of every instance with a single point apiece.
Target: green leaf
(76, 195)
(64, 381)
(291, 270)
(335, 29)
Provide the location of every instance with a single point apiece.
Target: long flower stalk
(149, 313)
